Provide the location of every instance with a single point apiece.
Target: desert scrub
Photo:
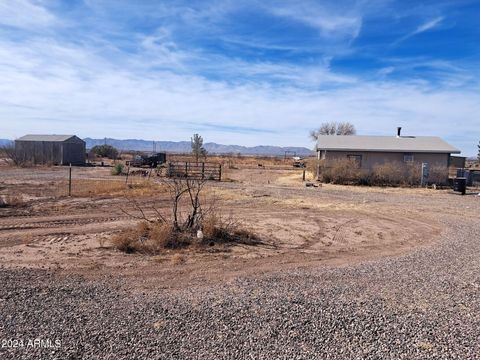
(117, 169)
(12, 200)
(154, 238)
(149, 238)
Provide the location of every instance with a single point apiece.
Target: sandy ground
(300, 226)
(342, 273)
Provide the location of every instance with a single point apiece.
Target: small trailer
(151, 161)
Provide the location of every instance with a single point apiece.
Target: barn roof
(424, 144)
(51, 138)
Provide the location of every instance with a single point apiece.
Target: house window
(408, 158)
(357, 159)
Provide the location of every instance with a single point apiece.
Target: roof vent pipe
(399, 130)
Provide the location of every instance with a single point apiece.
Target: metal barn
(51, 149)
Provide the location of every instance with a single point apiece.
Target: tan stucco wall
(369, 159)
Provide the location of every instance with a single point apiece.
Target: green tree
(197, 147)
(107, 151)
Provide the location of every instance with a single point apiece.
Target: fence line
(194, 170)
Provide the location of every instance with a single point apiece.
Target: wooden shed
(51, 149)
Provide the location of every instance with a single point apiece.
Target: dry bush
(217, 229)
(177, 259)
(346, 172)
(12, 200)
(438, 175)
(154, 238)
(149, 238)
(131, 240)
(342, 171)
(210, 223)
(396, 174)
(312, 165)
(387, 174)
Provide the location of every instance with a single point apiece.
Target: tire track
(59, 223)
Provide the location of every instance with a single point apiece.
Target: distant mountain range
(4, 142)
(185, 147)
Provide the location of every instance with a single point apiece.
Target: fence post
(186, 169)
(70, 180)
(219, 172)
(303, 176)
(203, 170)
(128, 172)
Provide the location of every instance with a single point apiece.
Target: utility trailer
(151, 161)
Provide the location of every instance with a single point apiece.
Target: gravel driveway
(419, 306)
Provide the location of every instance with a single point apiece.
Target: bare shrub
(149, 238)
(132, 240)
(346, 172)
(188, 213)
(342, 171)
(218, 229)
(438, 175)
(389, 174)
(396, 174)
(12, 156)
(12, 200)
(312, 164)
(210, 225)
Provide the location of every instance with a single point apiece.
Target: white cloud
(338, 22)
(24, 14)
(431, 24)
(166, 90)
(78, 91)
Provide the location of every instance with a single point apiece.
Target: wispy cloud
(431, 24)
(330, 21)
(24, 14)
(238, 72)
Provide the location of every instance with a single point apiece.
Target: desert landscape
(343, 248)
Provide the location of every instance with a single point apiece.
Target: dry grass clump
(154, 238)
(177, 259)
(12, 200)
(219, 230)
(115, 188)
(149, 238)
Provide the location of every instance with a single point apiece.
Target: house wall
(370, 159)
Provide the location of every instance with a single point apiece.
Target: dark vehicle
(298, 162)
(151, 161)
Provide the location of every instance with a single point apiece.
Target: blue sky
(240, 72)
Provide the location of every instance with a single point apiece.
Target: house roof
(423, 144)
(50, 138)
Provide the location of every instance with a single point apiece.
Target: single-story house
(51, 149)
(368, 151)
